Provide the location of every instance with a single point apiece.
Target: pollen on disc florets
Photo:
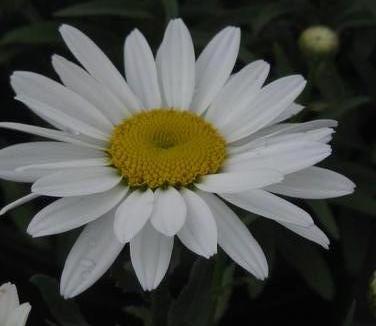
(165, 147)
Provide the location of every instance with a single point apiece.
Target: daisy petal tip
(66, 28)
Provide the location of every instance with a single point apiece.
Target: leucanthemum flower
(11, 312)
(159, 156)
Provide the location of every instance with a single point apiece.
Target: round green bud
(318, 41)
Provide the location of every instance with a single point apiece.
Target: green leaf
(171, 8)
(254, 286)
(328, 81)
(324, 214)
(38, 33)
(309, 263)
(226, 288)
(193, 305)
(339, 108)
(356, 236)
(66, 312)
(104, 8)
(349, 318)
(282, 62)
(12, 191)
(266, 15)
(358, 201)
(141, 313)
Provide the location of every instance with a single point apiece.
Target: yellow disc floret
(166, 147)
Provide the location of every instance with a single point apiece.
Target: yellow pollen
(165, 147)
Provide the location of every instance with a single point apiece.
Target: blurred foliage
(307, 285)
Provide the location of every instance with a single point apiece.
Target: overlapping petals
(266, 157)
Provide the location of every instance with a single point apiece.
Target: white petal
(99, 66)
(18, 202)
(269, 103)
(312, 233)
(238, 93)
(238, 181)
(290, 111)
(289, 128)
(176, 65)
(72, 212)
(77, 182)
(169, 211)
(48, 133)
(150, 255)
(34, 153)
(63, 120)
(287, 157)
(132, 214)
(214, 66)
(103, 161)
(235, 239)
(268, 205)
(199, 232)
(51, 93)
(91, 256)
(78, 80)
(24, 176)
(8, 301)
(314, 183)
(141, 71)
(322, 135)
(19, 316)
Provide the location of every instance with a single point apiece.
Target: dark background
(307, 285)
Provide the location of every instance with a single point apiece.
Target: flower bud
(318, 41)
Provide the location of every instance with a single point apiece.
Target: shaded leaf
(324, 214)
(338, 109)
(358, 201)
(193, 305)
(349, 318)
(225, 292)
(66, 312)
(37, 33)
(309, 263)
(255, 287)
(141, 313)
(104, 8)
(171, 8)
(266, 15)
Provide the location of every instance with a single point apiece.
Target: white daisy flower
(11, 312)
(159, 155)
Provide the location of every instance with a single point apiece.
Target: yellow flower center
(166, 147)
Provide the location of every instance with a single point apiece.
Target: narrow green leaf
(226, 288)
(339, 108)
(66, 312)
(171, 8)
(310, 264)
(266, 15)
(254, 286)
(193, 305)
(104, 8)
(349, 318)
(38, 33)
(358, 201)
(356, 235)
(12, 191)
(282, 62)
(324, 215)
(141, 313)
